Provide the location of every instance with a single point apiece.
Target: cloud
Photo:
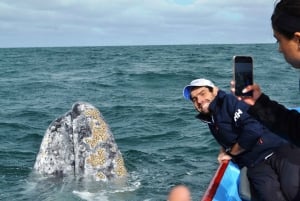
(133, 22)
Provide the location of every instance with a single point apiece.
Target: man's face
(201, 98)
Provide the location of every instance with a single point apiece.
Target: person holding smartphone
(246, 141)
(286, 28)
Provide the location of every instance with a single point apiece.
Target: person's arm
(236, 149)
(277, 118)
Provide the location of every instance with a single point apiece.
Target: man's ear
(215, 91)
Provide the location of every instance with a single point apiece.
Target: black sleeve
(277, 118)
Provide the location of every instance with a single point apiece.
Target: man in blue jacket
(246, 141)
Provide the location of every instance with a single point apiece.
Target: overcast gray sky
(35, 23)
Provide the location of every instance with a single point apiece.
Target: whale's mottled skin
(80, 143)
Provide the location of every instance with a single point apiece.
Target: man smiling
(242, 138)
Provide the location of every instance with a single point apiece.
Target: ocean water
(138, 89)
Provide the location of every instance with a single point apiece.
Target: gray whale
(80, 143)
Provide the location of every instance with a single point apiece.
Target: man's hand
(223, 156)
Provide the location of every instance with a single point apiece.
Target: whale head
(80, 143)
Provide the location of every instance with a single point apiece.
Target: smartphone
(242, 74)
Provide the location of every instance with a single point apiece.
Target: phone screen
(243, 74)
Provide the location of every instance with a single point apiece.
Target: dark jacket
(230, 123)
(276, 117)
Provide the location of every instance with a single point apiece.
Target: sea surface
(138, 89)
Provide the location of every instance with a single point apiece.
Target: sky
(55, 23)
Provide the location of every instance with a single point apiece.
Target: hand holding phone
(242, 74)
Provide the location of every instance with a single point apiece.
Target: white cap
(196, 83)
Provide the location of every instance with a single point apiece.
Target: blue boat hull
(224, 185)
(228, 188)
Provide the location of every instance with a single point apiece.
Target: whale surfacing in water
(80, 143)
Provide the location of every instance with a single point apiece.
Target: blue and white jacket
(230, 123)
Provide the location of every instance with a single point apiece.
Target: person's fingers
(249, 101)
(224, 157)
(232, 86)
(248, 88)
